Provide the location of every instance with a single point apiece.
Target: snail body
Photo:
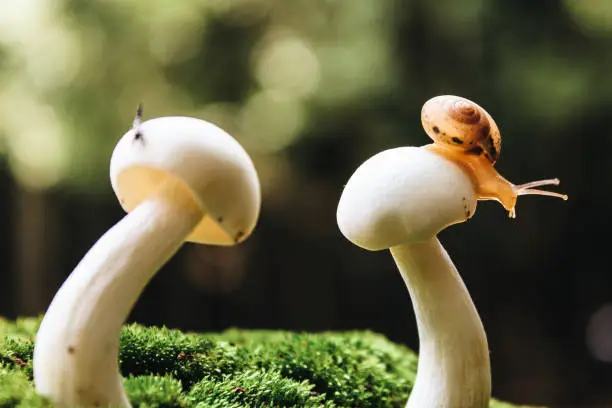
(466, 134)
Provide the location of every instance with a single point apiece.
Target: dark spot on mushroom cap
(139, 136)
(436, 129)
(219, 219)
(455, 139)
(71, 349)
(466, 210)
(239, 235)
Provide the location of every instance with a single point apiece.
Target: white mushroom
(181, 179)
(400, 199)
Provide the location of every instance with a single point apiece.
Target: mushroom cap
(211, 163)
(403, 195)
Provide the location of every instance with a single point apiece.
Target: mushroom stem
(454, 368)
(77, 345)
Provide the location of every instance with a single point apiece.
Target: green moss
(148, 391)
(17, 390)
(253, 388)
(237, 368)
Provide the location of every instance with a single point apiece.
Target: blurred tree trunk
(34, 247)
(6, 251)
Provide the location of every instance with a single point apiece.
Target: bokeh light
(594, 17)
(286, 64)
(271, 121)
(599, 333)
(35, 140)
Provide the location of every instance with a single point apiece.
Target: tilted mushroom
(400, 199)
(180, 179)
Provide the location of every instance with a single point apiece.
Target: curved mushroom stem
(454, 368)
(76, 352)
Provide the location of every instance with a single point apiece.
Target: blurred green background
(312, 88)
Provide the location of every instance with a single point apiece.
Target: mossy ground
(237, 368)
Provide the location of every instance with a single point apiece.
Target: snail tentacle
(466, 134)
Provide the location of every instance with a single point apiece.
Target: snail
(399, 200)
(466, 134)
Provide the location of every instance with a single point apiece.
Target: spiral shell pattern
(461, 124)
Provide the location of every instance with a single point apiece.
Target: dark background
(312, 88)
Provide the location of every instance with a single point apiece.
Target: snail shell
(460, 124)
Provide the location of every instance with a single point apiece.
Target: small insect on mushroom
(136, 124)
(466, 134)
